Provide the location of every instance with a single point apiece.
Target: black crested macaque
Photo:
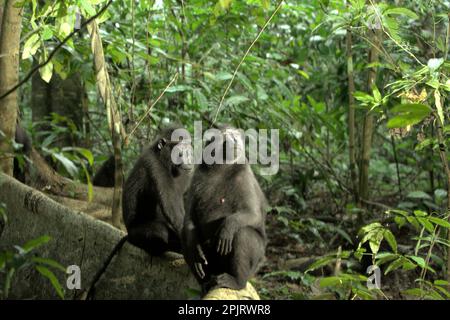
(104, 177)
(152, 202)
(19, 169)
(224, 235)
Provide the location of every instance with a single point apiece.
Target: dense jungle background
(358, 90)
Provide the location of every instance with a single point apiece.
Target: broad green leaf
(434, 63)
(46, 71)
(426, 224)
(67, 163)
(363, 97)
(420, 213)
(178, 88)
(438, 104)
(440, 222)
(419, 195)
(408, 114)
(49, 262)
(441, 282)
(376, 94)
(35, 243)
(265, 4)
(225, 3)
(31, 46)
(201, 99)
(390, 238)
(321, 262)
(330, 281)
(375, 241)
(402, 11)
(223, 76)
(86, 7)
(384, 257)
(47, 33)
(236, 100)
(417, 292)
(87, 154)
(394, 265)
(53, 280)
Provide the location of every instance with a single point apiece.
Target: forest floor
(289, 253)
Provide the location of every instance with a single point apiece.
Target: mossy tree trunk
(9, 76)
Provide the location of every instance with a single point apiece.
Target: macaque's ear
(161, 143)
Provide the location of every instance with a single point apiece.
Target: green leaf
(330, 281)
(201, 99)
(394, 265)
(46, 71)
(265, 4)
(178, 88)
(419, 195)
(417, 292)
(67, 163)
(402, 11)
(321, 262)
(426, 224)
(32, 244)
(408, 114)
(390, 238)
(236, 100)
(49, 262)
(31, 46)
(376, 94)
(419, 260)
(434, 64)
(440, 222)
(47, 33)
(384, 257)
(363, 97)
(53, 280)
(225, 4)
(441, 282)
(223, 76)
(86, 7)
(375, 241)
(86, 154)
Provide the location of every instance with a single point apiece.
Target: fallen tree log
(78, 239)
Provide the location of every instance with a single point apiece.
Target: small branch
(150, 108)
(243, 58)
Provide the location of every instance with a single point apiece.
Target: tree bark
(351, 116)
(369, 119)
(114, 118)
(77, 239)
(9, 65)
(1, 16)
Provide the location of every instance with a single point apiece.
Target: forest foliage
(358, 90)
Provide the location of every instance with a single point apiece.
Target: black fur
(224, 236)
(20, 162)
(104, 177)
(152, 204)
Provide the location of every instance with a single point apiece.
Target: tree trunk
(351, 116)
(9, 65)
(368, 128)
(1, 16)
(114, 118)
(77, 239)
